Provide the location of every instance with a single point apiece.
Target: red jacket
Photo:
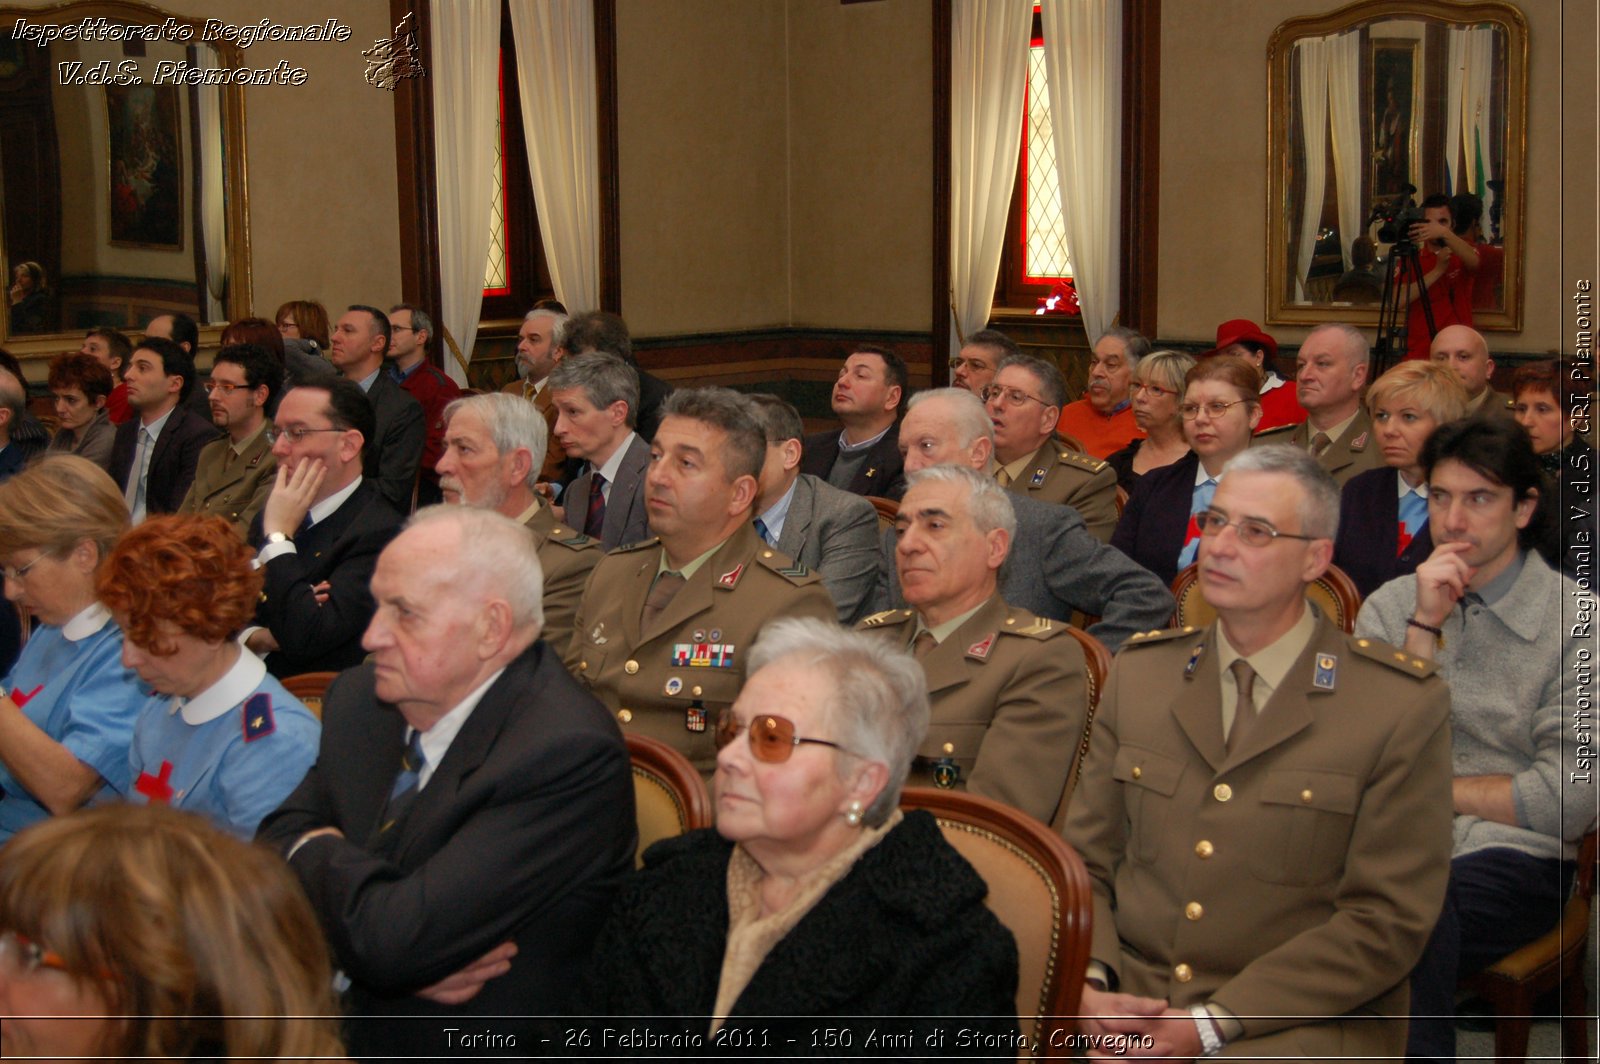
(435, 391)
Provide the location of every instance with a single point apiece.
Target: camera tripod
(1404, 261)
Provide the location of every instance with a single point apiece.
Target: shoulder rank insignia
(884, 618)
(1394, 657)
(1039, 626)
(568, 538)
(730, 579)
(1326, 673)
(1082, 461)
(258, 720)
(981, 648)
(640, 545)
(1158, 635)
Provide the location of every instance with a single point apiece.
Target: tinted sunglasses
(772, 738)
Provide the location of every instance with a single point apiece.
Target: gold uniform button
(1305, 795)
(766, 554)
(949, 748)
(1203, 849)
(1222, 792)
(1194, 910)
(583, 666)
(697, 690)
(1183, 973)
(1363, 642)
(1137, 772)
(625, 715)
(630, 667)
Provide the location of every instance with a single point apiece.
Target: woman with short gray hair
(1157, 390)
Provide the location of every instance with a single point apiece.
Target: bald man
(1464, 350)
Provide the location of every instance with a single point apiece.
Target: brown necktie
(1002, 477)
(667, 585)
(921, 645)
(1319, 443)
(1244, 711)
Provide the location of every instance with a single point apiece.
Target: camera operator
(1448, 264)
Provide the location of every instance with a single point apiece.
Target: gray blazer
(836, 533)
(1056, 566)
(626, 520)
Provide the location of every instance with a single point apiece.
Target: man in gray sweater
(1497, 620)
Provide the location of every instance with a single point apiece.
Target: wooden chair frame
(1334, 593)
(659, 763)
(310, 688)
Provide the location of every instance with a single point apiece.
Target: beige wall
(1214, 180)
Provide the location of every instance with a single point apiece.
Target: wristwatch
(278, 537)
(1210, 1040)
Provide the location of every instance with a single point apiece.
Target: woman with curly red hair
(220, 737)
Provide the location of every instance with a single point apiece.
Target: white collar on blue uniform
(86, 623)
(224, 695)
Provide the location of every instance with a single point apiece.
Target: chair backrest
(887, 509)
(1097, 666)
(1039, 889)
(1334, 593)
(1122, 500)
(668, 795)
(310, 687)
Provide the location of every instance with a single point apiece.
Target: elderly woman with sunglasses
(68, 705)
(814, 896)
(1221, 408)
(1157, 393)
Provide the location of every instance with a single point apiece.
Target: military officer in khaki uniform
(1024, 402)
(1007, 688)
(1330, 373)
(1265, 807)
(664, 626)
(234, 475)
(474, 471)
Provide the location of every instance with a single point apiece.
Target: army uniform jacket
(567, 558)
(234, 486)
(1299, 876)
(1009, 705)
(1056, 473)
(669, 681)
(555, 455)
(1356, 451)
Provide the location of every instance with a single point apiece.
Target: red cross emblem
(156, 788)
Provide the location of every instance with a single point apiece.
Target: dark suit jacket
(393, 458)
(342, 549)
(523, 832)
(1153, 523)
(835, 533)
(626, 520)
(653, 391)
(1369, 532)
(882, 474)
(173, 462)
(11, 459)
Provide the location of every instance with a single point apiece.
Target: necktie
(1244, 710)
(1413, 515)
(1203, 494)
(405, 788)
(138, 476)
(765, 533)
(1003, 477)
(667, 586)
(597, 506)
(1320, 443)
(921, 645)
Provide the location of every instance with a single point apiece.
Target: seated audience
(1242, 337)
(1159, 527)
(814, 896)
(319, 533)
(1464, 351)
(304, 319)
(1056, 567)
(863, 457)
(539, 347)
(1362, 284)
(1024, 403)
(1552, 400)
(493, 451)
(219, 737)
(470, 813)
(974, 367)
(1007, 687)
(1383, 533)
(1331, 370)
(111, 349)
(821, 527)
(147, 934)
(183, 331)
(1103, 419)
(155, 454)
(13, 404)
(597, 330)
(28, 434)
(1482, 610)
(411, 331)
(1265, 807)
(596, 396)
(80, 384)
(297, 357)
(1157, 393)
(394, 451)
(68, 705)
(234, 474)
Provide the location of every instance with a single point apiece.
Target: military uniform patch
(731, 577)
(258, 719)
(1327, 672)
(981, 648)
(946, 773)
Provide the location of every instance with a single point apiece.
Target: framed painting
(146, 166)
(1396, 92)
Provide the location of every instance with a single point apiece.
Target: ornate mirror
(1377, 106)
(122, 171)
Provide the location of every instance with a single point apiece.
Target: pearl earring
(853, 817)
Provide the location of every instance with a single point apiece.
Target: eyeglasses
(225, 387)
(21, 572)
(400, 328)
(969, 363)
(1252, 533)
(1214, 410)
(772, 738)
(1154, 389)
(295, 434)
(21, 955)
(1009, 396)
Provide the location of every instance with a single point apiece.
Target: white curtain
(1344, 120)
(1455, 54)
(1313, 56)
(988, 72)
(1083, 63)
(1476, 82)
(213, 195)
(556, 73)
(465, 78)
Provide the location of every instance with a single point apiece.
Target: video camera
(1398, 214)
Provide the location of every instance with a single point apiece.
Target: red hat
(1240, 330)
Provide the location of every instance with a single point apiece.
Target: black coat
(1153, 524)
(1369, 532)
(882, 474)
(904, 934)
(172, 462)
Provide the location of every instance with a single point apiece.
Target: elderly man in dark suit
(471, 813)
(596, 395)
(156, 451)
(1056, 566)
(394, 451)
(319, 534)
(819, 526)
(863, 458)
